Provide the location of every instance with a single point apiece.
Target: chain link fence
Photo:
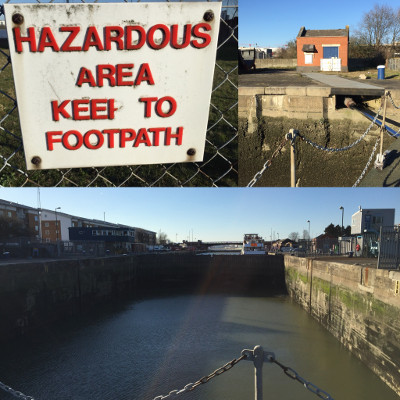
(219, 167)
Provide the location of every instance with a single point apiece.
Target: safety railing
(295, 134)
(219, 167)
(258, 356)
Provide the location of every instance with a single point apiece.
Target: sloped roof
(322, 32)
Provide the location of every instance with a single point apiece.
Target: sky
(211, 214)
(274, 23)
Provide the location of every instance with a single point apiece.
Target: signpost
(109, 84)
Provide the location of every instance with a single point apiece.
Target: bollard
(381, 72)
(293, 133)
(258, 356)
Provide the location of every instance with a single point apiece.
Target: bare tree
(306, 235)
(162, 238)
(289, 50)
(294, 236)
(377, 24)
(395, 28)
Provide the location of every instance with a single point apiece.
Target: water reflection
(149, 347)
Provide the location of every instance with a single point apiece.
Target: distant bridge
(221, 243)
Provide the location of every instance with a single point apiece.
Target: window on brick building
(308, 58)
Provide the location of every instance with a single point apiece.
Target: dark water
(150, 347)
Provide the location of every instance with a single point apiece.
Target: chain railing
(268, 163)
(14, 393)
(357, 182)
(392, 101)
(257, 355)
(335, 150)
(287, 138)
(219, 167)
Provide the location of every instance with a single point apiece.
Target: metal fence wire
(219, 167)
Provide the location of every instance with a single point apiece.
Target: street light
(55, 212)
(309, 234)
(342, 208)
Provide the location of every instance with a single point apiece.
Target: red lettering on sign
(74, 30)
(165, 36)
(156, 136)
(131, 37)
(147, 107)
(172, 109)
(129, 45)
(158, 106)
(30, 38)
(50, 139)
(47, 40)
(111, 109)
(65, 140)
(105, 71)
(125, 138)
(186, 36)
(201, 35)
(110, 133)
(77, 109)
(84, 109)
(100, 139)
(178, 136)
(145, 75)
(92, 39)
(85, 76)
(121, 74)
(59, 109)
(113, 34)
(95, 108)
(143, 137)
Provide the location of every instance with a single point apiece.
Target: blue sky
(213, 214)
(273, 23)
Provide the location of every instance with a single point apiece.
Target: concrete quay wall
(276, 63)
(302, 102)
(35, 294)
(360, 306)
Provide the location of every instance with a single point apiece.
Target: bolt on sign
(113, 84)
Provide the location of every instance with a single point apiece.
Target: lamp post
(55, 212)
(309, 234)
(342, 208)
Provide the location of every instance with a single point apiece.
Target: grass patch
(370, 73)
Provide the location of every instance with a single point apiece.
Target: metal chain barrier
(368, 163)
(251, 355)
(394, 105)
(330, 149)
(268, 163)
(219, 167)
(392, 101)
(191, 386)
(15, 393)
(291, 373)
(258, 356)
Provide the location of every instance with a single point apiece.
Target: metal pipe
(350, 103)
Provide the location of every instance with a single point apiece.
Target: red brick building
(326, 50)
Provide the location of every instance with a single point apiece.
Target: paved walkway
(345, 86)
(390, 175)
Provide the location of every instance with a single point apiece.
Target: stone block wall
(35, 294)
(360, 306)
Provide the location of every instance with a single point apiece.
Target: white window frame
(306, 58)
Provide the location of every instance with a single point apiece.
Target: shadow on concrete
(394, 161)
